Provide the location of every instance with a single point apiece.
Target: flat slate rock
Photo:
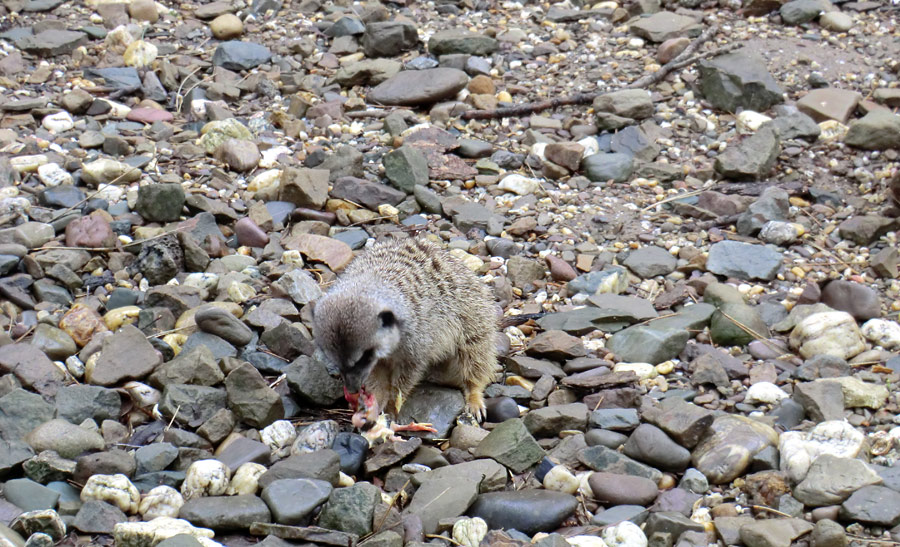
(418, 87)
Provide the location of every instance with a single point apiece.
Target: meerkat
(406, 311)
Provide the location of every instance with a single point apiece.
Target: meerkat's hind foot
(475, 405)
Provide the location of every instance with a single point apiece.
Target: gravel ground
(708, 237)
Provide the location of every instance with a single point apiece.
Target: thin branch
(684, 59)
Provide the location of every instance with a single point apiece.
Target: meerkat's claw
(478, 413)
(414, 426)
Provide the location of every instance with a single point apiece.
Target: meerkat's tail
(516, 320)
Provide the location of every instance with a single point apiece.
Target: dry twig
(685, 58)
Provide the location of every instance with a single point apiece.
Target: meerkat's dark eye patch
(365, 359)
(387, 318)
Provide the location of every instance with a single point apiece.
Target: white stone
(117, 111)
(58, 122)
(266, 180)
(246, 479)
(559, 478)
(859, 394)
(202, 280)
(28, 164)
(778, 232)
(764, 392)
(240, 292)
(644, 371)
(269, 157)
(114, 489)
(882, 332)
(836, 21)
(625, 534)
(539, 149)
(749, 121)
(471, 261)
(52, 174)
(586, 541)
(144, 534)
(799, 449)
(162, 501)
(469, 532)
(828, 333)
(140, 54)
(106, 170)
(205, 478)
(142, 395)
(279, 436)
(519, 184)
(75, 366)
(591, 146)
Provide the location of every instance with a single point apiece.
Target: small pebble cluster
(714, 255)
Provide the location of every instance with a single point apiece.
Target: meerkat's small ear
(387, 318)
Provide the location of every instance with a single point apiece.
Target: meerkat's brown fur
(406, 311)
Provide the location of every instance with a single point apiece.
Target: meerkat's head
(355, 330)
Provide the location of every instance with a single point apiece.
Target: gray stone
(605, 167)
(628, 103)
(77, 403)
(225, 513)
(29, 495)
(551, 420)
(528, 511)
(160, 202)
(236, 55)
(864, 229)
(389, 38)
(437, 499)
(67, 440)
(774, 532)
(619, 489)
(648, 344)
(877, 130)
(601, 458)
(406, 168)
(727, 327)
(154, 457)
(729, 446)
(311, 382)
(797, 12)
(292, 501)
(831, 480)
(250, 397)
(615, 419)
(875, 505)
(620, 513)
(322, 465)
(512, 445)
(743, 260)
(828, 533)
(650, 261)
(20, 412)
(663, 25)
(51, 43)
(452, 41)
(195, 404)
(367, 193)
(739, 80)
(651, 445)
(419, 87)
(773, 204)
(492, 475)
(98, 517)
(752, 158)
(195, 366)
(351, 509)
